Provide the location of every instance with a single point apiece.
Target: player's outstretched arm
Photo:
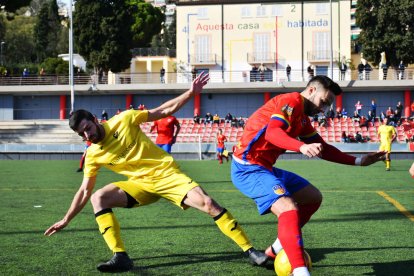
(79, 201)
(372, 158)
(172, 106)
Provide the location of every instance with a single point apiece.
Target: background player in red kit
(221, 138)
(269, 132)
(167, 129)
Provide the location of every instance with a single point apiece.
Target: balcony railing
(261, 57)
(320, 56)
(217, 76)
(203, 59)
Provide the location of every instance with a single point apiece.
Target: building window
(202, 13)
(245, 12)
(202, 48)
(277, 10)
(321, 42)
(261, 11)
(261, 47)
(322, 8)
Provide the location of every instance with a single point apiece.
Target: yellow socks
(387, 164)
(110, 230)
(231, 228)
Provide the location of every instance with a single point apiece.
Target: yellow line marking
(397, 205)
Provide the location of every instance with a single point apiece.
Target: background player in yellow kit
(387, 135)
(120, 145)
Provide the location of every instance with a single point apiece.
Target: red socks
(290, 237)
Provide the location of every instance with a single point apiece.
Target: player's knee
(208, 204)
(283, 204)
(97, 198)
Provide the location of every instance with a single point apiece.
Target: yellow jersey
(386, 132)
(127, 150)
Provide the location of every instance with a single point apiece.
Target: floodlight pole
(72, 88)
(331, 39)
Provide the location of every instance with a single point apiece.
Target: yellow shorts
(385, 147)
(173, 187)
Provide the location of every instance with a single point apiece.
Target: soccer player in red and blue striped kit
(279, 125)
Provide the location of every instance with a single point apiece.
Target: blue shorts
(264, 186)
(220, 150)
(166, 147)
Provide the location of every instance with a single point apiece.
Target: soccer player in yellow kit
(120, 145)
(386, 134)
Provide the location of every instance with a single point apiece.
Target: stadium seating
(58, 132)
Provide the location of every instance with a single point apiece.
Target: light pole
(1, 52)
(72, 88)
(188, 37)
(331, 39)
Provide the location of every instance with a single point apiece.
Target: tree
(19, 47)
(102, 33)
(13, 5)
(167, 38)
(386, 26)
(170, 36)
(47, 30)
(147, 22)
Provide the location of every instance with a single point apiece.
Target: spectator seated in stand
(228, 118)
(196, 118)
(330, 114)
(368, 121)
(358, 137)
(208, 118)
(344, 113)
(382, 116)
(356, 118)
(338, 113)
(389, 112)
(240, 122)
(351, 137)
(234, 122)
(322, 120)
(344, 137)
(216, 119)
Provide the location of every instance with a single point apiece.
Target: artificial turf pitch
(365, 225)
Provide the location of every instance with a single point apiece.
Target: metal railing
(217, 76)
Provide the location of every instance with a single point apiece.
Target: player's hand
(56, 227)
(199, 82)
(372, 158)
(311, 150)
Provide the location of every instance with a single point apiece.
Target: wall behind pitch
(36, 107)
(6, 107)
(237, 104)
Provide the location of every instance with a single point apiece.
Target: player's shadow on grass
(194, 258)
(399, 268)
(318, 254)
(386, 216)
(343, 218)
(380, 269)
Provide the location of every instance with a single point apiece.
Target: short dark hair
(327, 83)
(77, 116)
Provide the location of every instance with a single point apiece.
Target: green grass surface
(356, 231)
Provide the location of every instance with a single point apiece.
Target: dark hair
(327, 83)
(77, 116)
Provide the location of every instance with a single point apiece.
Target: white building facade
(228, 38)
